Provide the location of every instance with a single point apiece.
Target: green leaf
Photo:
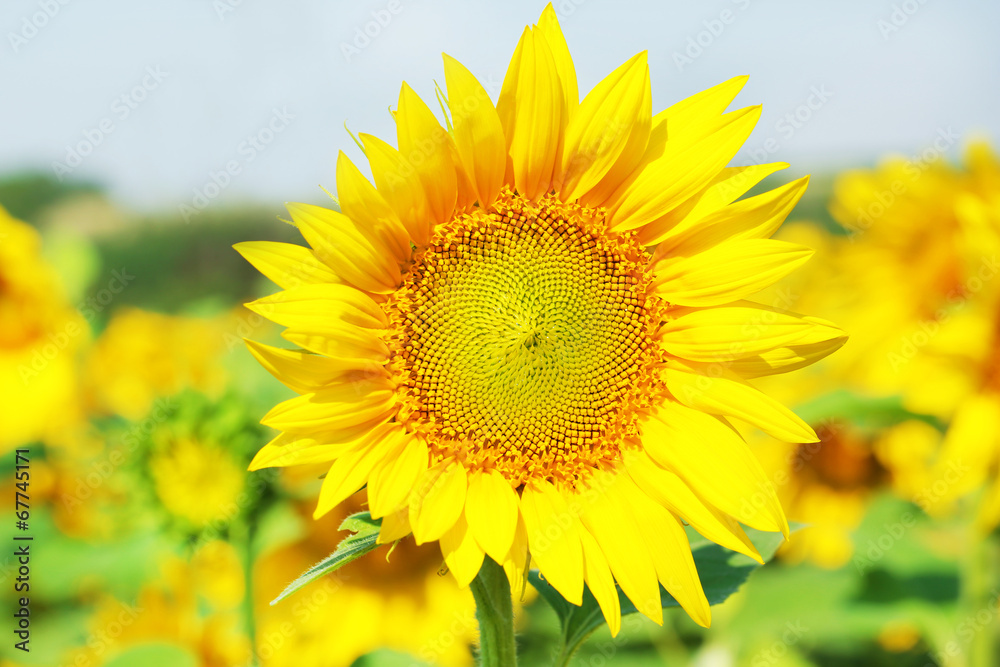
(365, 530)
(722, 572)
(867, 413)
(154, 655)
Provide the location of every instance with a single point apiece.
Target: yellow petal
(333, 409)
(730, 184)
(553, 537)
(603, 126)
(727, 272)
(729, 396)
(395, 478)
(479, 138)
(671, 552)
(350, 472)
(461, 553)
(491, 511)
(700, 108)
(692, 443)
(970, 447)
(310, 304)
(548, 26)
(753, 218)
(785, 359)
(607, 517)
(677, 168)
(989, 511)
(669, 490)
(437, 501)
(362, 203)
(340, 340)
(518, 561)
(632, 156)
(531, 112)
(288, 449)
(305, 373)
(742, 330)
(427, 147)
(597, 574)
(363, 262)
(398, 183)
(286, 264)
(395, 526)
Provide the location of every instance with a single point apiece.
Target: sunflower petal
(427, 147)
(553, 537)
(741, 330)
(671, 552)
(754, 218)
(398, 183)
(602, 128)
(310, 304)
(286, 264)
(730, 184)
(362, 203)
(305, 373)
(395, 526)
(691, 443)
(479, 138)
(548, 26)
(288, 449)
(597, 574)
(363, 262)
(728, 396)
(491, 507)
(350, 472)
(437, 501)
(333, 409)
(607, 517)
(670, 491)
(531, 112)
(727, 272)
(678, 169)
(395, 478)
(462, 554)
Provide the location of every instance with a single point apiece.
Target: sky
(164, 102)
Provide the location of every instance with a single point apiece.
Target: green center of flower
(525, 337)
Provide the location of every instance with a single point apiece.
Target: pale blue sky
(223, 75)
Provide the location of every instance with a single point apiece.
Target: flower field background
(128, 393)
(156, 547)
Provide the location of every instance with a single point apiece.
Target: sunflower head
(526, 338)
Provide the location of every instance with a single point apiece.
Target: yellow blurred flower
(181, 608)
(926, 246)
(144, 355)
(40, 336)
(399, 602)
(197, 481)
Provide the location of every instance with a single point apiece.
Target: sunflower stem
(495, 613)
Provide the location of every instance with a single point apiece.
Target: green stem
(981, 585)
(495, 613)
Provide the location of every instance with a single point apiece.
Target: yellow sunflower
(40, 336)
(399, 602)
(143, 355)
(941, 350)
(528, 336)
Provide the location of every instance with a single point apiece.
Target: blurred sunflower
(191, 608)
(40, 338)
(142, 355)
(942, 353)
(197, 481)
(418, 612)
(529, 335)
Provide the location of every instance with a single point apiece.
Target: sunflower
(941, 351)
(527, 337)
(39, 340)
(399, 602)
(142, 356)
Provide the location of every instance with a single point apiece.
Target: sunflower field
(577, 356)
